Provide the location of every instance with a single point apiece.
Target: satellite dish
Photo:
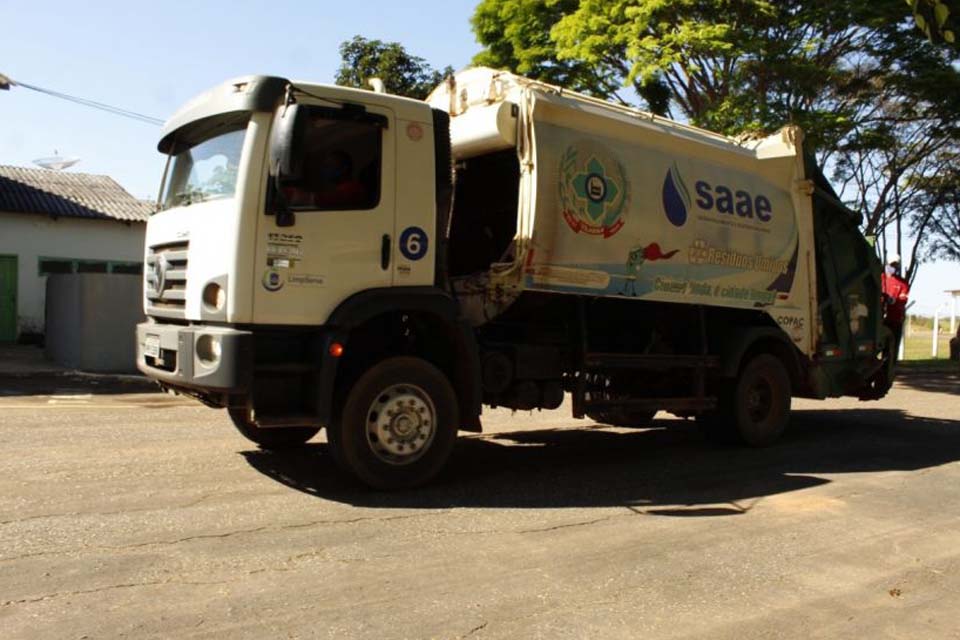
(56, 162)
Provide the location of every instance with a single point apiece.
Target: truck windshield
(205, 170)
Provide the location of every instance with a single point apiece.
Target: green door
(8, 298)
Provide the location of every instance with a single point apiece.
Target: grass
(918, 355)
(918, 346)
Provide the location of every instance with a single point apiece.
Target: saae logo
(593, 190)
(676, 200)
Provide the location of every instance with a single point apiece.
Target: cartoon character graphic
(637, 256)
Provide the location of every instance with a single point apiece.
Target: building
(59, 222)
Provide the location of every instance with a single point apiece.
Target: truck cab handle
(385, 251)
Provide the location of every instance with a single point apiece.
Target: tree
(518, 36)
(738, 66)
(877, 101)
(727, 65)
(402, 74)
(941, 193)
(901, 143)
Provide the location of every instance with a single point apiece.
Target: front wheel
(398, 424)
(276, 438)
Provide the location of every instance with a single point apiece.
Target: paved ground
(132, 514)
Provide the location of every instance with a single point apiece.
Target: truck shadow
(936, 381)
(658, 471)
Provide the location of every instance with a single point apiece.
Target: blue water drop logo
(676, 199)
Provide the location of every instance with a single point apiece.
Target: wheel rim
(401, 423)
(759, 400)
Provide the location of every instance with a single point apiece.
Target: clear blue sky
(152, 57)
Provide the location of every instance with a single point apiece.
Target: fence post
(903, 337)
(936, 333)
(953, 315)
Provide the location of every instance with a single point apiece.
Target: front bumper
(178, 364)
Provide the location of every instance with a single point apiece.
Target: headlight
(208, 350)
(214, 297)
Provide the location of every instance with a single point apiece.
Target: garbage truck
(382, 268)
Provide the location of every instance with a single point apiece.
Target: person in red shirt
(896, 291)
(328, 184)
(338, 188)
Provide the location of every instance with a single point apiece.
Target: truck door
(343, 203)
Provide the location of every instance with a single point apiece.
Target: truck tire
(620, 417)
(278, 438)
(398, 424)
(755, 409)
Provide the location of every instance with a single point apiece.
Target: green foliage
(937, 19)
(516, 34)
(402, 74)
(876, 99)
(729, 65)
(735, 65)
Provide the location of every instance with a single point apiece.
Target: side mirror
(286, 142)
(285, 155)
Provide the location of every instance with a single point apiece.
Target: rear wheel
(755, 409)
(275, 438)
(398, 424)
(620, 417)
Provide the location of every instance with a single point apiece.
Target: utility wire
(126, 113)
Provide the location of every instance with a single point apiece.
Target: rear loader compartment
(747, 235)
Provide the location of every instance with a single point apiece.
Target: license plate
(151, 346)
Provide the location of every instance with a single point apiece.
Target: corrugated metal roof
(59, 193)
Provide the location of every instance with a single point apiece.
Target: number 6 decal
(413, 243)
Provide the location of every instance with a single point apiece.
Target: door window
(341, 165)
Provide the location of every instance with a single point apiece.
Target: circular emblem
(594, 192)
(272, 280)
(413, 243)
(414, 131)
(596, 188)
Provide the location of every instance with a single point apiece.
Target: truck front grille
(165, 275)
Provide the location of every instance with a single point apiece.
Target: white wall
(30, 236)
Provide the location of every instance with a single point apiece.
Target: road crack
(74, 514)
(283, 527)
(129, 585)
(229, 534)
(577, 524)
(477, 628)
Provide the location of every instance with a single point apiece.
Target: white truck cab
(280, 202)
(217, 230)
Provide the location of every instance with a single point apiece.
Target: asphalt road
(132, 514)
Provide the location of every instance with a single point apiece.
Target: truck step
(599, 360)
(290, 420)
